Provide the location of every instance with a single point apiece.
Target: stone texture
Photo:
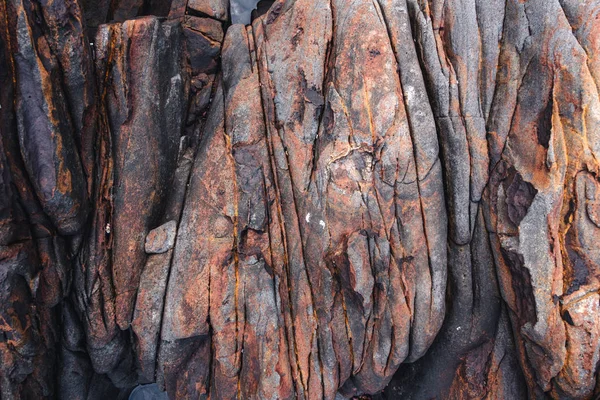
(161, 239)
(390, 198)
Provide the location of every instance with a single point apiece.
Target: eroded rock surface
(395, 198)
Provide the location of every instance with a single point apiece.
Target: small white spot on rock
(322, 223)
(307, 217)
(410, 93)
(107, 229)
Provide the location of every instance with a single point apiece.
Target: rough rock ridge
(385, 198)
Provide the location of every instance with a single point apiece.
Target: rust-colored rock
(390, 198)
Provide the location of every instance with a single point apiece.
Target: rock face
(393, 198)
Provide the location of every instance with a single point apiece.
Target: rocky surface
(389, 198)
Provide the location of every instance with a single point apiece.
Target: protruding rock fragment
(161, 239)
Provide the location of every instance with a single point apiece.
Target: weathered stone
(142, 59)
(390, 198)
(161, 239)
(218, 9)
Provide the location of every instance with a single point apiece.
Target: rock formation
(390, 198)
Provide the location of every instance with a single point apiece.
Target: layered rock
(396, 198)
